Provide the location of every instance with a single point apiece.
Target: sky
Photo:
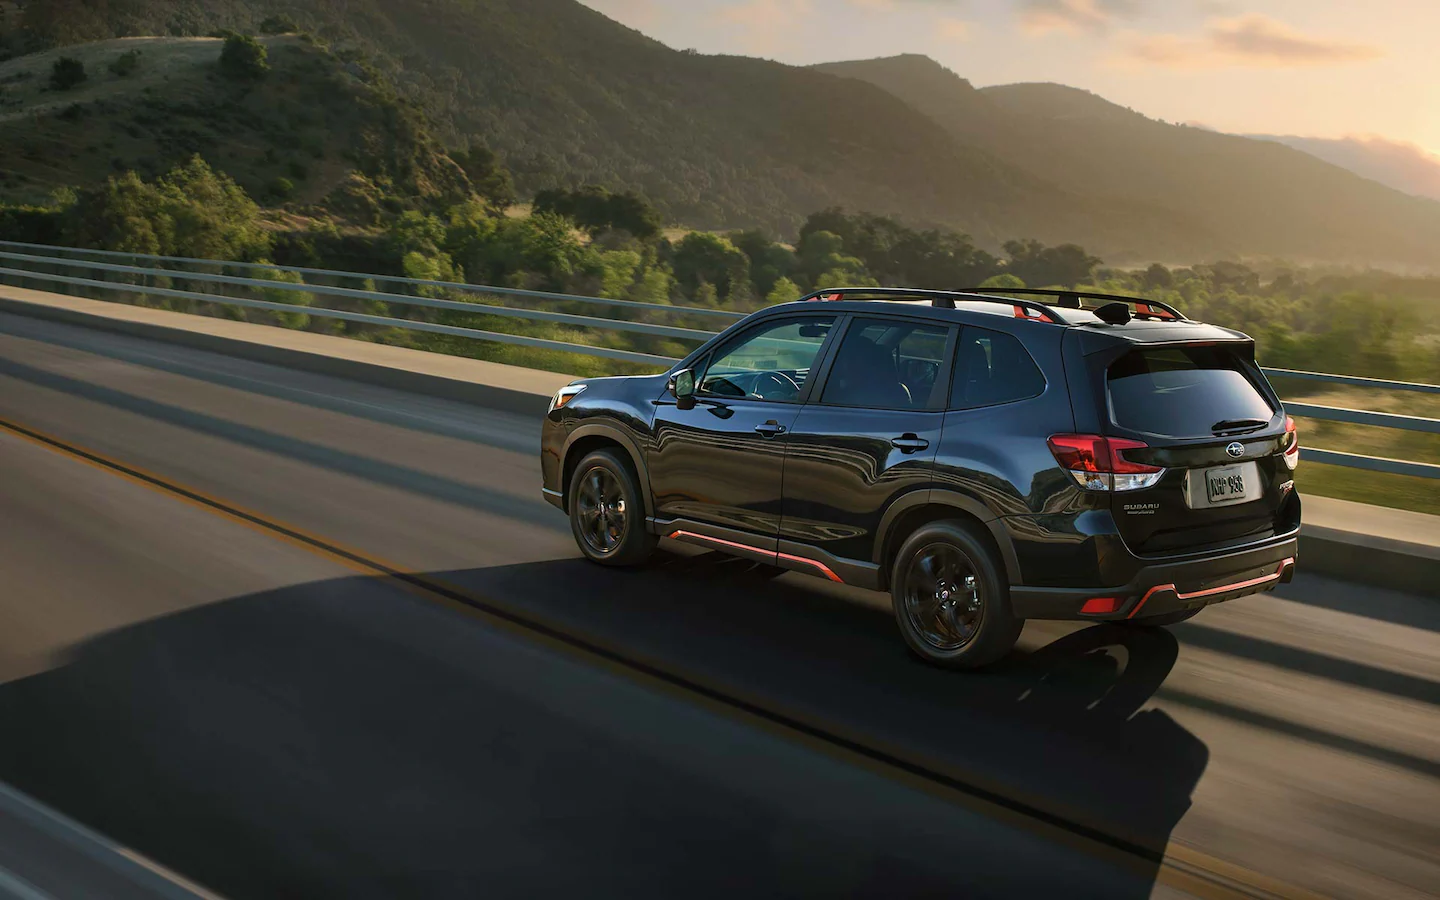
(1319, 68)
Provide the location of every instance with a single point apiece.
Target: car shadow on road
(345, 738)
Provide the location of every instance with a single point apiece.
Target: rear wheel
(950, 599)
(1170, 618)
(607, 511)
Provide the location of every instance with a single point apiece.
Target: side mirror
(682, 385)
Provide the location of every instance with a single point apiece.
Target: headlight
(565, 395)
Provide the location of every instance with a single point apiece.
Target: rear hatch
(1205, 414)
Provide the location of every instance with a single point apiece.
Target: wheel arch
(920, 508)
(593, 436)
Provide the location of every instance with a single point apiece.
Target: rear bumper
(1162, 586)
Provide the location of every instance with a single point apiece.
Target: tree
(244, 58)
(67, 73)
(1034, 263)
(705, 258)
(769, 261)
(595, 209)
(1002, 282)
(784, 291)
(1157, 277)
(488, 177)
(824, 262)
(279, 24)
(212, 216)
(125, 64)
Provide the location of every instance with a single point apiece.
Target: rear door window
(888, 364)
(1184, 392)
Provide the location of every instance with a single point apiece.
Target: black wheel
(950, 598)
(1170, 618)
(607, 512)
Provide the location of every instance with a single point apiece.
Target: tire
(950, 598)
(1170, 618)
(607, 511)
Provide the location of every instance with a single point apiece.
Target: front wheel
(607, 512)
(950, 598)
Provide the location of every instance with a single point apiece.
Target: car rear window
(1183, 391)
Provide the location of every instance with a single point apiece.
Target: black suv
(986, 459)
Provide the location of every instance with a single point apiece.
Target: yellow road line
(1180, 866)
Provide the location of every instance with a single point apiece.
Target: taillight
(1098, 463)
(1292, 444)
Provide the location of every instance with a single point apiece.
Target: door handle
(770, 429)
(909, 443)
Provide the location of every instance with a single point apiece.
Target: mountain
(568, 96)
(1402, 166)
(1244, 196)
(295, 134)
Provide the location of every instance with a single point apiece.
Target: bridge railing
(142, 274)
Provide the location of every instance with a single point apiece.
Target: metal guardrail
(52, 258)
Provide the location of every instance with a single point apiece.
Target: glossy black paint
(834, 489)
(708, 464)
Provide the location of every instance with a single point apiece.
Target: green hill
(568, 96)
(1242, 196)
(296, 134)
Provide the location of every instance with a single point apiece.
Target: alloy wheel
(942, 597)
(601, 510)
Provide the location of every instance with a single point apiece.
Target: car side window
(993, 367)
(769, 362)
(887, 364)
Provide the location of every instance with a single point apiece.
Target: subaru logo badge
(1235, 449)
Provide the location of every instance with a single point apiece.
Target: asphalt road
(272, 718)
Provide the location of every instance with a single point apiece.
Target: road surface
(208, 656)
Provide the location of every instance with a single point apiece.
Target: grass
(1361, 486)
(1344, 483)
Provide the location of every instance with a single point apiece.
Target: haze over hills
(1249, 196)
(1402, 166)
(568, 96)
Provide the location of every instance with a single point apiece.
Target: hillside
(296, 134)
(1245, 196)
(1404, 167)
(568, 96)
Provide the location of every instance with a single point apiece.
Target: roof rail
(1024, 309)
(1070, 299)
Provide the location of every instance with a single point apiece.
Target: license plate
(1228, 484)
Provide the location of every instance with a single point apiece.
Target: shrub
(279, 24)
(125, 64)
(67, 73)
(281, 188)
(244, 58)
(298, 170)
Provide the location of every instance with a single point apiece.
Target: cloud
(1251, 40)
(1072, 16)
(886, 5)
(951, 29)
(765, 25)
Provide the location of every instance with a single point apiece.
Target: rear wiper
(1238, 425)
